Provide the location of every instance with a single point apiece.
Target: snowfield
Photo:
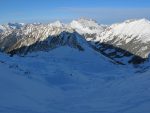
(66, 80)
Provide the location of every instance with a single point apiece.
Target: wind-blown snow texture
(66, 79)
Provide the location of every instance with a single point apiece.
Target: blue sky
(104, 11)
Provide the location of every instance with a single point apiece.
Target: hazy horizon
(103, 11)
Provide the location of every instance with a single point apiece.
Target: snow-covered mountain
(124, 42)
(71, 68)
(57, 24)
(131, 35)
(86, 26)
(41, 36)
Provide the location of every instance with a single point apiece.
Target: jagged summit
(89, 26)
(57, 24)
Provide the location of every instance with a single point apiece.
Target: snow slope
(66, 80)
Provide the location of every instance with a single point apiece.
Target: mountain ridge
(131, 35)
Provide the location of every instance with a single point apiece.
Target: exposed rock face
(73, 40)
(39, 37)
